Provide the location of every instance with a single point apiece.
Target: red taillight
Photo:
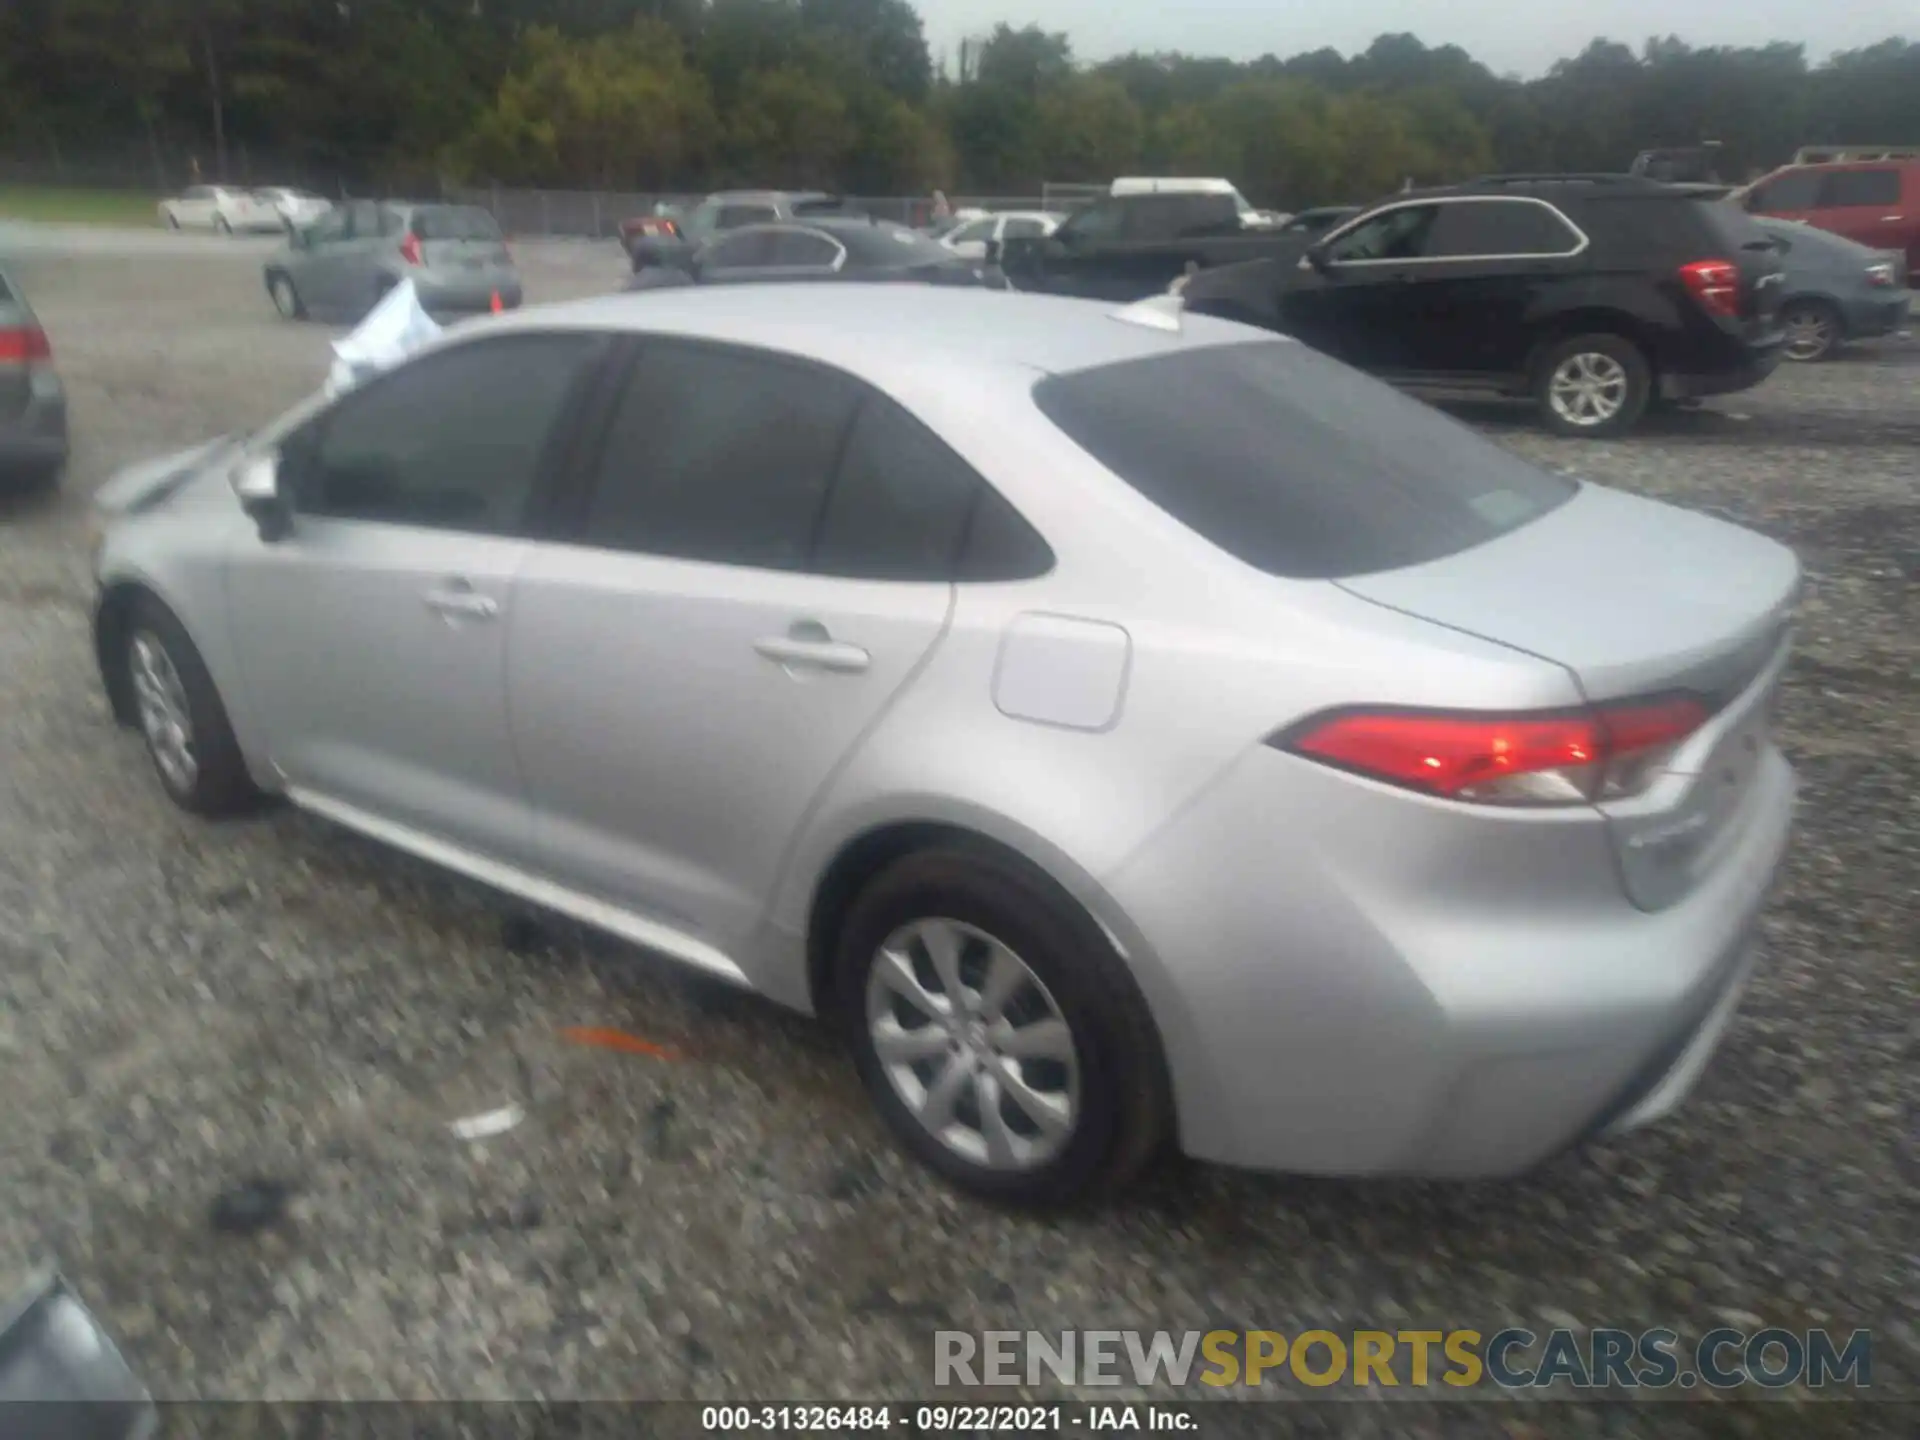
(1715, 284)
(1566, 759)
(410, 249)
(23, 344)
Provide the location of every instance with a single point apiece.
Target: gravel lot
(185, 1006)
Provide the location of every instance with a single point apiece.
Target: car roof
(882, 332)
(771, 197)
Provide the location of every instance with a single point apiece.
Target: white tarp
(393, 330)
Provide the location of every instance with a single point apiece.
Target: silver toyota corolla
(1125, 727)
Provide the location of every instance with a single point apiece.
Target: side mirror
(256, 481)
(1319, 259)
(992, 253)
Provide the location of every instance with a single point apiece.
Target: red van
(1876, 203)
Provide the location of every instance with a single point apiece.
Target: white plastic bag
(393, 330)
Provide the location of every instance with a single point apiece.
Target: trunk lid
(1636, 599)
(459, 239)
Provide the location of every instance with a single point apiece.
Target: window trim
(1331, 237)
(553, 467)
(1829, 179)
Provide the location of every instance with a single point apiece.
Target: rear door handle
(1891, 219)
(808, 646)
(458, 597)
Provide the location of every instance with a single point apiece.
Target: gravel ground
(186, 1006)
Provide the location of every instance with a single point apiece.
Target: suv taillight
(1564, 759)
(1880, 273)
(1715, 284)
(23, 345)
(410, 249)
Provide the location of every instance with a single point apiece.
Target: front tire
(1813, 330)
(1002, 1040)
(1592, 386)
(221, 226)
(181, 717)
(286, 297)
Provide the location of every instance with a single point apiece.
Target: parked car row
(229, 211)
(815, 247)
(1597, 296)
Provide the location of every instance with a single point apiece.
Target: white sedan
(221, 209)
(970, 240)
(297, 208)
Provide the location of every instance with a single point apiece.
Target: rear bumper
(35, 437)
(1743, 371)
(1351, 994)
(463, 295)
(1864, 319)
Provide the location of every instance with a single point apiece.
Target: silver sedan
(1125, 728)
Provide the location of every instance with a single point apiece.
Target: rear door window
(731, 216)
(900, 502)
(746, 250)
(1294, 463)
(1022, 228)
(804, 250)
(1795, 190)
(1470, 229)
(721, 455)
(1844, 188)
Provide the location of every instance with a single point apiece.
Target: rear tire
(173, 221)
(222, 227)
(1813, 330)
(1592, 386)
(1069, 1039)
(181, 717)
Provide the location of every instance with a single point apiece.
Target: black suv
(1596, 295)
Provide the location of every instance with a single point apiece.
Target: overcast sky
(1511, 36)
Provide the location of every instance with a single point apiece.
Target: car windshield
(1295, 464)
(455, 222)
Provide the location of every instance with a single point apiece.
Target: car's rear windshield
(454, 222)
(1294, 463)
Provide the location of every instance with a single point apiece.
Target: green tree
(1089, 129)
(788, 127)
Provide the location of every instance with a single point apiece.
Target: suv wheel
(1001, 1039)
(1592, 385)
(181, 718)
(1813, 330)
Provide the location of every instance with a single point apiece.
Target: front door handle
(460, 598)
(808, 646)
(1891, 219)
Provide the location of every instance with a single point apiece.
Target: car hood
(149, 482)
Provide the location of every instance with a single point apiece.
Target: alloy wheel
(284, 299)
(165, 717)
(974, 1045)
(1587, 388)
(1809, 334)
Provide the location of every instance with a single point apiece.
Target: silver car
(1123, 727)
(340, 266)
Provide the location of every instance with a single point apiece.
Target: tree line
(689, 95)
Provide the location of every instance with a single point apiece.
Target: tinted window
(1795, 190)
(1499, 227)
(1398, 234)
(1860, 187)
(883, 245)
(804, 249)
(1001, 545)
(453, 440)
(900, 502)
(1296, 464)
(1022, 229)
(362, 220)
(746, 250)
(1102, 221)
(732, 215)
(1179, 217)
(454, 222)
(720, 455)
